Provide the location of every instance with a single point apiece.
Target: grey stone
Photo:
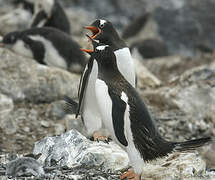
(144, 77)
(59, 128)
(195, 22)
(45, 124)
(13, 20)
(24, 79)
(6, 107)
(72, 149)
(24, 166)
(55, 110)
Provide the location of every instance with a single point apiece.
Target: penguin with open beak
(47, 46)
(49, 13)
(126, 116)
(103, 32)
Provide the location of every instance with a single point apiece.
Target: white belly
(52, 57)
(90, 111)
(105, 107)
(134, 156)
(125, 64)
(20, 48)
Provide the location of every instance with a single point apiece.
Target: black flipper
(37, 48)
(118, 113)
(83, 84)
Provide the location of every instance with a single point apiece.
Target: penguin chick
(47, 46)
(127, 118)
(49, 13)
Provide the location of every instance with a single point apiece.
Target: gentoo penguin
(126, 116)
(49, 13)
(47, 46)
(104, 32)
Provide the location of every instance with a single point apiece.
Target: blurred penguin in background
(47, 46)
(25, 4)
(49, 13)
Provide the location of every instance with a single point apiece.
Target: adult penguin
(127, 118)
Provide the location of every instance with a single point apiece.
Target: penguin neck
(115, 43)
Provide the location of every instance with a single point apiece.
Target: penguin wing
(118, 116)
(83, 84)
(36, 47)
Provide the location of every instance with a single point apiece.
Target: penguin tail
(192, 144)
(70, 105)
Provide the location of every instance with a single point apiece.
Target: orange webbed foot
(130, 174)
(97, 137)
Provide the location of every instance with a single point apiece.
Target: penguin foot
(130, 174)
(97, 137)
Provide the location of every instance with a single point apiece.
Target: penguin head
(11, 38)
(103, 31)
(15, 42)
(104, 55)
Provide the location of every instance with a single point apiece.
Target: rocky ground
(179, 91)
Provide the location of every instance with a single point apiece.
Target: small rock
(26, 129)
(45, 124)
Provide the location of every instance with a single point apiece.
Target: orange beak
(87, 50)
(95, 31)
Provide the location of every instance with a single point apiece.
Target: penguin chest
(20, 48)
(105, 106)
(89, 109)
(52, 56)
(125, 64)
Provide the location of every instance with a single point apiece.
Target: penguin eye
(101, 25)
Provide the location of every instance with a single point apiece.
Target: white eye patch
(101, 48)
(102, 22)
